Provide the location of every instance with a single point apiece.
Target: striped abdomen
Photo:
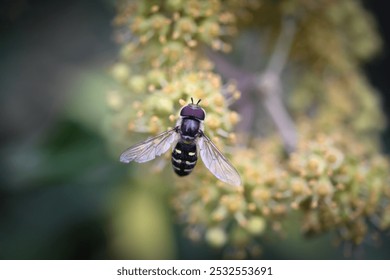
(184, 158)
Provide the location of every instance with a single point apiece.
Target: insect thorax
(189, 128)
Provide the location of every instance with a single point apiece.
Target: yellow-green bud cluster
(325, 179)
(345, 185)
(187, 22)
(338, 181)
(161, 68)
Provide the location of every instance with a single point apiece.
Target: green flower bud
(209, 30)
(137, 84)
(216, 237)
(121, 72)
(256, 225)
(175, 5)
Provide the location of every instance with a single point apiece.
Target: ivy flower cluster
(336, 178)
(335, 183)
(161, 65)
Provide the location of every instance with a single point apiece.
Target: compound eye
(193, 112)
(184, 111)
(199, 114)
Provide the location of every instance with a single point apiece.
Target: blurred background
(63, 193)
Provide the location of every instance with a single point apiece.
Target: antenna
(192, 100)
(198, 101)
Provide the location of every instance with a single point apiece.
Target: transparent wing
(217, 163)
(150, 148)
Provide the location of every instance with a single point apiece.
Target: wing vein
(150, 148)
(217, 163)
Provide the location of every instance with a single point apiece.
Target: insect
(188, 139)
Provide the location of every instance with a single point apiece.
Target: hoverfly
(188, 137)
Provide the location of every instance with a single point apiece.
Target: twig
(268, 84)
(270, 87)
